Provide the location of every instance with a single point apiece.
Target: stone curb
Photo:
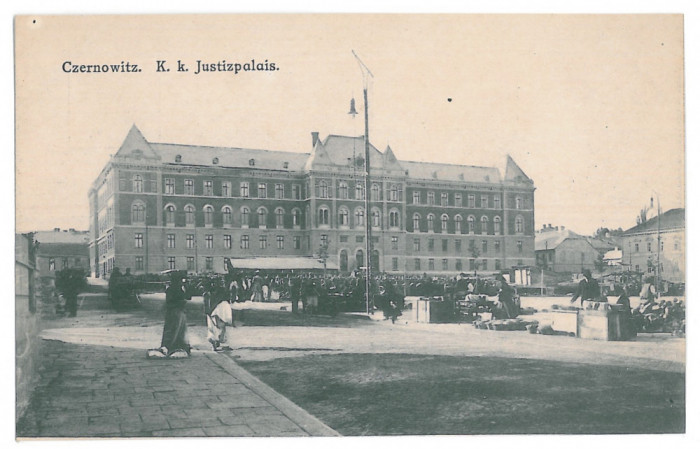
(309, 423)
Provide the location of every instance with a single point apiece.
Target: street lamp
(658, 240)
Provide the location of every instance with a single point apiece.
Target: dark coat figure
(69, 282)
(628, 326)
(506, 295)
(175, 329)
(588, 289)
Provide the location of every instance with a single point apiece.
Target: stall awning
(282, 263)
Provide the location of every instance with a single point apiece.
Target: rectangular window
(394, 242)
(431, 244)
(431, 198)
(416, 264)
(227, 241)
(209, 241)
(458, 265)
(52, 264)
(171, 240)
(520, 246)
(226, 189)
(497, 264)
(280, 242)
(209, 263)
(359, 239)
(324, 239)
(485, 264)
(497, 246)
(208, 188)
(662, 245)
(395, 264)
(262, 190)
(444, 245)
(138, 240)
(636, 248)
(138, 265)
(416, 197)
(169, 186)
(472, 264)
(445, 265)
(484, 246)
(245, 190)
(189, 186)
(458, 246)
(471, 201)
(458, 199)
(190, 263)
(190, 241)
(245, 242)
(649, 246)
(279, 191)
(296, 192)
(263, 242)
(443, 199)
(496, 202)
(484, 202)
(431, 264)
(343, 239)
(297, 242)
(171, 263)
(416, 244)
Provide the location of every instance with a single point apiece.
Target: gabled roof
(671, 219)
(450, 172)
(514, 172)
(136, 146)
(551, 239)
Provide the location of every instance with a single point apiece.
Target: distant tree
(475, 253)
(642, 217)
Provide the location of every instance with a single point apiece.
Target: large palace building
(159, 206)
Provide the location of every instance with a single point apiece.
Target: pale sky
(591, 107)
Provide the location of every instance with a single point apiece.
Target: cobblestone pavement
(97, 390)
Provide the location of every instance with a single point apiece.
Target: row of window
(676, 245)
(171, 241)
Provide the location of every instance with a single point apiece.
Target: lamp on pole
(658, 241)
(366, 75)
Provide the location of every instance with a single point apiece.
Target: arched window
(394, 221)
(296, 217)
(484, 224)
(376, 218)
(359, 191)
(245, 216)
(497, 225)
(227, 215)
(208, 215)
(359, 258)
(343, 190)
(519, 224)
(137, 184)
(323, 216)
(189, 215)
(431, 222)
(443, 222)
(375, 261)
(262, 217)
(359, 217)
(343, 261)
(458, 224)
(343, 217)
(518, 202)
(323, 189)
(470, 224)
(170, 215)
(416, 222)
(394, 192)
(138, 212)
(375, 192)
(279, 217)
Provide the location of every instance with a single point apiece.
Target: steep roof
(551, 239)
(229, 156)
(450, 172)
(671, 219)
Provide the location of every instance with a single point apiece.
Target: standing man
(588, 289)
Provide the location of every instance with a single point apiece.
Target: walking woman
(174, 343)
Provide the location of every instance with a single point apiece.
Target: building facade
(59, 249)
(564, 251)
(653, 240)
(157, 207)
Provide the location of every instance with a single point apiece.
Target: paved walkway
(90, 389)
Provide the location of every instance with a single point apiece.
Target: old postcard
(349, 225)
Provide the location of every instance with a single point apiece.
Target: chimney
(314, 139)
(562, 228)
(56, 229)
